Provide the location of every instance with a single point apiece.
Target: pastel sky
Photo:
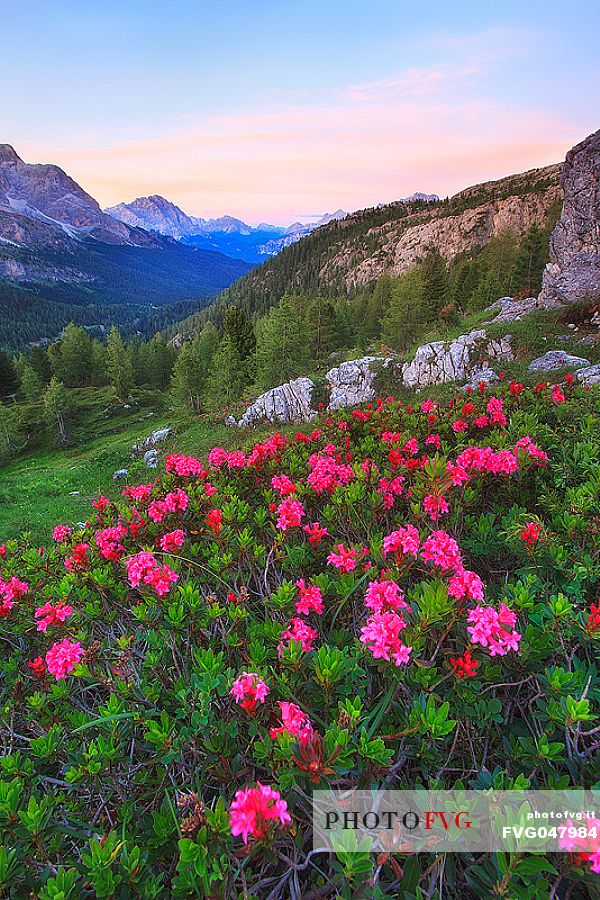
(274, 111)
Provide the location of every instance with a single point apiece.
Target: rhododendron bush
(398, 596)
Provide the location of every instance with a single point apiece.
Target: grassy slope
(47, 486)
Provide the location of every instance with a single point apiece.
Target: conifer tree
(238, 327)
(434, 280)
(57, 406)
(227, 377)
(405, 315)
(321, 324)
(32, 386)
(8, 375)
(282, 351)
(191, 370)
(72, 360)
(118, 365)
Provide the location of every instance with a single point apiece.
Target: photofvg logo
(456, 821)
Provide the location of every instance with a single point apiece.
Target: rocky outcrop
(445, 361)
(510, 309)
(352, 382)
(556, 359)
(514, 203)
(573, 272)
(157, 437)
(289, 402)
(589, 375)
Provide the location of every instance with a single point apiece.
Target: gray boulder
(151, 458)
(509, 309)
(120, 474)
(446, 361)
(352, 382)
(289, 402)
(486, 375)
(589, 375)
(556, 359)
(157, 437)
(573, 272)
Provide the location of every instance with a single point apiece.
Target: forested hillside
(347, 256)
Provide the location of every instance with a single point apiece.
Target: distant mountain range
(226, 234)
(63, 259)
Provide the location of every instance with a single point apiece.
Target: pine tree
(57, 406)
(40, 362)
(73, 356)
(282, 346)
(8, 375)
(434, 285)
(118, 365)
(10, 440)
(530, 262)
(191, 370)
(321, 324)
(405, 316)
(227, 377)
(32, 386)
(238, 327)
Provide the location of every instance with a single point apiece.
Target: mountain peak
(8, 154)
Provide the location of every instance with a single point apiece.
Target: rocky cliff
(573, 272)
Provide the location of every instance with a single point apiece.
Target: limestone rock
(157, 437)
(352, 382)
(120, 474)
(446, 361)
(573, 272)
(486, 375)
(289, 402)
(151, 458)
(510, 309)
(589, 375)
(556, 359)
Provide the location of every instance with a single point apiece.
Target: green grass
(48, 485)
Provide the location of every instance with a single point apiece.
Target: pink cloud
(424, 129)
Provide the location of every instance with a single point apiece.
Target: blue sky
(272, 110)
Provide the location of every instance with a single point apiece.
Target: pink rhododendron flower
(138, 492)
(315, 532)
(249, 690)
(172, 541)
(405, 539)
(254, 809)
(494, 629)
(530, 533)
(108, 541)
(460, 425)
(283, 485)
(161, 579)
(61, 533)
(441, 550)
(38, 666)
(138, 567)
(381, 635)
(466, 584)
(435, 506)
(217, 457)
(557, 394)
(101, 503)
(326, 474)
(52, 614)
(433, 441)
(385, 595)
(293, 722)
(62, 657)
(214, 520)
(494, 409)
(427, 406)
(289, 514)
(185, 465)
(78, 558)
(299, 631)
(236, 460)
(585, 847)
(465, 666)
(12, 589)
(311, 598)
(345, 559)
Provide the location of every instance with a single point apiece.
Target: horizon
(321, 109)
